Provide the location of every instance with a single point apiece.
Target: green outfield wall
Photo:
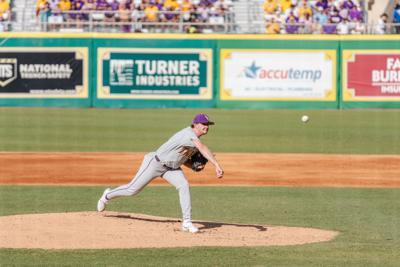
(204, 71)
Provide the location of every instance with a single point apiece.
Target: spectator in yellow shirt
(64, 5)
(171, 5)
(39, 5)
(186, 7)
(4, 10)
(273, 27)
(270, 9)
(285, 4)
(150, 13)
(305, 9)
(169, 9)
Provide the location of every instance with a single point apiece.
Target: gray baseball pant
(148, 171)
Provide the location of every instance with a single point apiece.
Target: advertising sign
(140, 73)
(43, 72)
(371, 75)
(294, 75)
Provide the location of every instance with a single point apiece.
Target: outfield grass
(366, 218)
(276, 131)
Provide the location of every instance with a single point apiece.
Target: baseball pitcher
(184, 147)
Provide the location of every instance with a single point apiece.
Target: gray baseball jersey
(165, 163)
(178, 149)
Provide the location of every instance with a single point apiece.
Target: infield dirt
(240, 169)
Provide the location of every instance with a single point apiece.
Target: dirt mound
(92, 230)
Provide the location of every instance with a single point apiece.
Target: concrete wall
(376, 7)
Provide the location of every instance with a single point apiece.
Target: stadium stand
(138, 16)
(315, 16)
(203, 16)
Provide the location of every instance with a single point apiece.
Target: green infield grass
(367, 220)
(274, 131)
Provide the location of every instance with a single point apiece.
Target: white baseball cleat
(189, 227)
(101, 204)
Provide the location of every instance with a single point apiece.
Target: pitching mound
(92, 230)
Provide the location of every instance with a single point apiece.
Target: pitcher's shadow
(205, 225)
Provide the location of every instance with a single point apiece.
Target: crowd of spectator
(5, 15)
(199, 16)
(314, 16)
(134, 15)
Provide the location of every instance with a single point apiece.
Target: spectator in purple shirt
(158, 3)
(292, 26)
(101, 5)
(355, 14)
(112, 6)
(206, 3)
(330, 27)
(88, 6)
(348, 4)
(76, 7)
(169, 15)
(321, 3)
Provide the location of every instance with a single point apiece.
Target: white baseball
(305, 118)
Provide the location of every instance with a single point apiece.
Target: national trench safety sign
(43, 72)
(140, 73)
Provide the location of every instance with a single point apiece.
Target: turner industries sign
(155, 73)
(372, 75)
(44, 72)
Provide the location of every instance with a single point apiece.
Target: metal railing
(115, 21)
(336, 28)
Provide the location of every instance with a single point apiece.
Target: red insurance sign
(374, 75)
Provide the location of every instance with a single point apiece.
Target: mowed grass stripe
(272, 131)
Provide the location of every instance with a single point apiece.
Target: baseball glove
(197, 162)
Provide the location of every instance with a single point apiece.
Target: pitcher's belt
(158, 160)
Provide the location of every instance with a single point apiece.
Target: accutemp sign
(293, 75)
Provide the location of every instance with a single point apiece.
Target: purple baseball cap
(203, 119)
